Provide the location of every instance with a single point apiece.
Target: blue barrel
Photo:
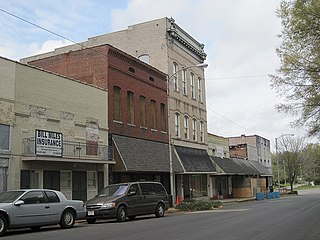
(259, 196)
(268, 195)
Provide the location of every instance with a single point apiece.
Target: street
(294, 218)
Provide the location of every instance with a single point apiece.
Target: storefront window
(198, 186)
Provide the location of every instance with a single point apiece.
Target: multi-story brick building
(53, 134)
(166, 46)
(137, 108)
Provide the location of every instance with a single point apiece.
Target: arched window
(175, 76)
(186, 127)
(193, 96)
(163, 117)
(142, 104)
(194, 129)
(130, 105)
(153, 104)
(177, 125)
(202, 131)
(200, 89)
(184, 82)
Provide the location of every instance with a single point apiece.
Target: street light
(276, 140)
(200, 65)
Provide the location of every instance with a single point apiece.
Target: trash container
(268, 196)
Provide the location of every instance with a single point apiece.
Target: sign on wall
(48, 143)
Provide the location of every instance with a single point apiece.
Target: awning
(235, 166)
(139, 155)
(194, 160)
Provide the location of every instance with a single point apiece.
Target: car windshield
(113, 190)
(10, 196)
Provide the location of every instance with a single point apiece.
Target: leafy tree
(298, 77)
(311, 163)
(289, 151)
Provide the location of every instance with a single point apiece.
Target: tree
(298, 77)
(311, 163)
(289, 150)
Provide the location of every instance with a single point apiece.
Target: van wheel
(121, 214)
(3, 225)
(91, 220)
(132, 217)
(160, 210)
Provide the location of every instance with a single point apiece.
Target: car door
(32, 211)
(148, 197)
(133, 200)
(54, 207)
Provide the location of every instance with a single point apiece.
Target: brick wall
(105, 66)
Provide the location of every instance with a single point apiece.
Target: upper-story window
(163, 116)
(193, 96)
(153, 104)
(194, 129)
(184, 82)
(199, 89)
(177, 125)
(142, 105)
(201, 131)
(130, 105)
(175, 76)
(186, 127)
(4, 137)
(117, 103)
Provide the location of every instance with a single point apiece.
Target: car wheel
(121, 214)
(91, 220)
(3, 225)
(160, 210)
(67, 219)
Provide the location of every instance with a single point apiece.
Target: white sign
(48, 143)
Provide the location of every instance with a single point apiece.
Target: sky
(240, 39)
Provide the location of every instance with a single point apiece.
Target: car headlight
(108, 205)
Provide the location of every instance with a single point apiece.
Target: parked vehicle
(128, 200)
(35, 208)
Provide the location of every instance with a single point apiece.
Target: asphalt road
(294, 218)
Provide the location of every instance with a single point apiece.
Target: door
(51, 180)
(135, 206)
(149, 198)
(79, 185)
(34, 210)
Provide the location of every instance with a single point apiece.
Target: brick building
(137, 108)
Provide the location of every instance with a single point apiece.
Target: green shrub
(198, 205)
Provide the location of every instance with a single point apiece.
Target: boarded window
(130, 105)
(117, 103)
(142, 104)
(153, 104)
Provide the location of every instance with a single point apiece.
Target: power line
(38, 26)
(70, 40)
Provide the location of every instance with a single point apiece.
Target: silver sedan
(35, 208)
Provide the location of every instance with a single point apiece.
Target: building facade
(53, 133)
(167, 47)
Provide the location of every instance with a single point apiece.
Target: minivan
(128, 200)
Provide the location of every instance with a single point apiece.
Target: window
(199, 89)
(92, 179)
(154, 114)
(163, 116)
(192, 85)
(65, 179)
(134, 188)
(201, 131)
(130, 105)
(131, 70)
(52, 197)
(186, 127)
(184, 82)
(34, 179)
(4, 137)
(34, 197)
(177, 125)
(142, 104)
(194, 129)
(117, 103)
(175, 77)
